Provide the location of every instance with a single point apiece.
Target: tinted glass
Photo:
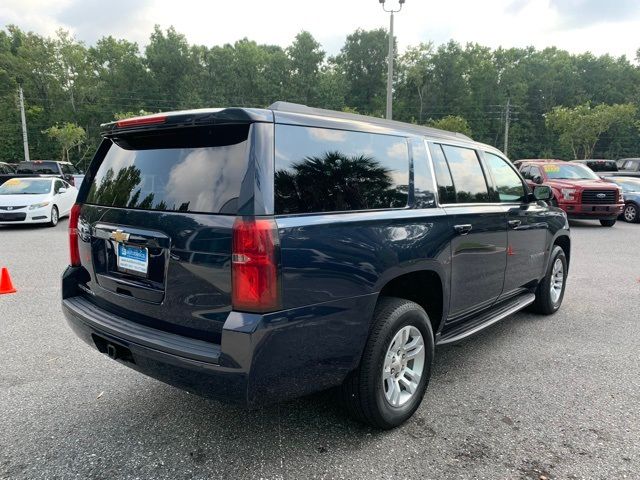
(322, 170)
(507, 181)
(424, 196)
(446, 192)
(194, 170)
(468, 178)
(45, 168)
(58, 185)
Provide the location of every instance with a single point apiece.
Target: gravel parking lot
(530, 398)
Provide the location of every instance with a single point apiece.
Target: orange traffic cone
(5, 282)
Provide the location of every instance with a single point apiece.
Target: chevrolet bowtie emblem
(119, 236)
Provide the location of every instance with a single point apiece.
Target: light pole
(390, 59)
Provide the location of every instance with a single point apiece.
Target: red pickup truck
(576, 189)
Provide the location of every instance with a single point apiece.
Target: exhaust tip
(112, 351)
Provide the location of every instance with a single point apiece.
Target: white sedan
(35, 200)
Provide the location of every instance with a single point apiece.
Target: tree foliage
(581, 127)
(66, 81)
(68, 135)
(452, 123)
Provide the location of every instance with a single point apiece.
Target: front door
(527, 226)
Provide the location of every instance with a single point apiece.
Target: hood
(631, 196)
(590, 184)
(22, 200)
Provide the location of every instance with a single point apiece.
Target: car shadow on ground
(158, 425)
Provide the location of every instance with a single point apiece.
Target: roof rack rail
(289, 107)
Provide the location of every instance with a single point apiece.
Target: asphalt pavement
(531, 398)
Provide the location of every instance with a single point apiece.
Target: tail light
(74, 251)
(254, 271)
(141, 121)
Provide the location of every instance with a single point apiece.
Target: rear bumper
(262, 358)
(593, 212)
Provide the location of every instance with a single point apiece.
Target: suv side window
(325, 170)
(446, 191)
(65, 168)
(507, 181)
(468, 177)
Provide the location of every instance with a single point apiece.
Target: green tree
(452, 123)
(306, 59)
(581, 127)
(363, 62)
(69, 135)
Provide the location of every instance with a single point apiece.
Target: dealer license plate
(133, 259)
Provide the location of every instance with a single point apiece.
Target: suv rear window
(190, 170)
(44, 168)
(325, 170)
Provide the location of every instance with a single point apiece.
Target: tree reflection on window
(335, 182)
(122, 189)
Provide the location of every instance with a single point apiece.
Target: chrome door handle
(515, 223)
(463, 229)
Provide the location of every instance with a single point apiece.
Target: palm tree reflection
(335, 182)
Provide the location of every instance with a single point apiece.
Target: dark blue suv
(256, 255)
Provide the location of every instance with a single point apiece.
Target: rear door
(157, 217)
(478, 250)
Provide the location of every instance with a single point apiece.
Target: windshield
(19, 186)
(45, 168)
(628, 184)
(559, 171)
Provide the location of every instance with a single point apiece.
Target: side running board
(488, 318)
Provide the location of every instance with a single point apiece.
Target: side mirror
(542, 192)
(537, 180)
(62, 190)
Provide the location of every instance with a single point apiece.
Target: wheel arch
(426, 287)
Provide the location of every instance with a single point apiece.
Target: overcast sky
(599, 26)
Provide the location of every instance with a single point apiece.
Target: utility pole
(390, 58)
(507, 119)
(390, 70)
(25, 139)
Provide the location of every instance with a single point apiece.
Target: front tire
(608, 223)
(391, 380)
(630, 213)
(55, 216)
(550, 291)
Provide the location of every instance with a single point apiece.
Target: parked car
(629, 165)
(35, 200)
(599, 165)
(631, 192)
(576, 189)
(6, 168)
(65, 170)
(259, 255)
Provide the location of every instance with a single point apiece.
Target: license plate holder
(134, 260)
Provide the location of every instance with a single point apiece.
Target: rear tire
(550, 291)
(55, 216)
(630, 213)
(608, 223)
(369, 392)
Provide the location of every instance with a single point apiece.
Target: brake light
(74, 251)
(254, 269)
(141, 121)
